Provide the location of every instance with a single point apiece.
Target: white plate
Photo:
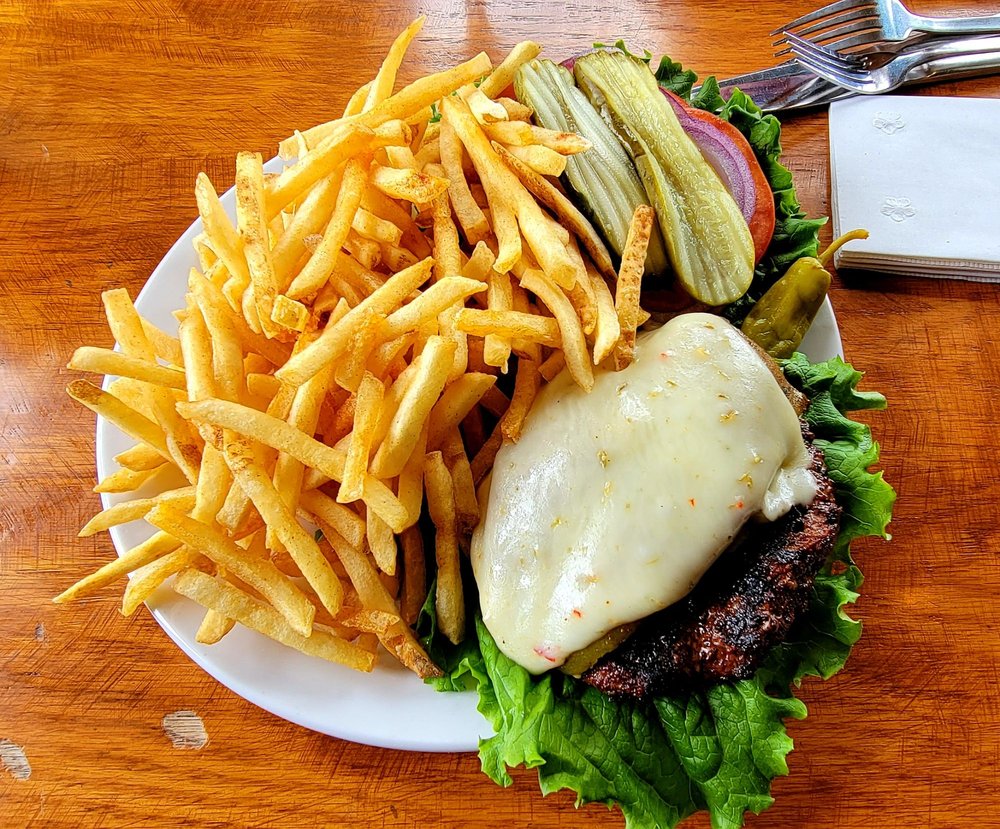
(389, 707)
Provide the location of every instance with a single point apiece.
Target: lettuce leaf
(715, 750)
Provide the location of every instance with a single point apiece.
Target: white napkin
(922, 175)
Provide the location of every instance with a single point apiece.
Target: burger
(665, 528)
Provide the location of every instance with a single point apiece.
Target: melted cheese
(614, 503)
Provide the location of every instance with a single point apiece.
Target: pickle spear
(603, 179)
(707, 238)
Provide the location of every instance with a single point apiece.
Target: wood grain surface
(108, 110)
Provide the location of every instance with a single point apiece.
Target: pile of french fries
(336, 364)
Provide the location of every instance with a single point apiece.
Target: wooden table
(109, 109)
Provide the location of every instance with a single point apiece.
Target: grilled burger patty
(740, 609)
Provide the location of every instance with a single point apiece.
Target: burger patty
(741, 608)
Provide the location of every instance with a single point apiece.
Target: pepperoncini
(780, 319)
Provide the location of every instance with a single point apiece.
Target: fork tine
(834, 26)
(839, 40)
(825, 11)
(815, 58)
(860, 40)
(841, 80)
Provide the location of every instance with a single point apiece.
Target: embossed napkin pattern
(922, 175)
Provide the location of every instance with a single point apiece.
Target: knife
(789, 86)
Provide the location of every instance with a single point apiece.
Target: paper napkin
(922, 175)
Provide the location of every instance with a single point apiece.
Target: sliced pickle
(602, 180)
(707, 238)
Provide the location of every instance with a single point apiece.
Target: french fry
(128, 480)
(457, 400)
(289, 314)
(396, 258)
(372, 227)
(126, 326)
(574, 343)
(485, 110)
(526, 385)
(408, 184)
(448, 291)
(516, 111)
(423, 92)
(540, 160)
(304, 415)
(448, 600)
(410, 483)
(366, 339)
(251, 220)
(140, 458)
(496, 347)
(556, 362)
(518, 133)
(336, 339)
(414, 589)
(148, 578)
(206, 256)
(357, 100)
(608, 329)
(432, 367)
(627, 289)
(447, 257)
(564, 209)
(308, 220)
(256, 615)
(196, 345)
(254, 481)
(367, 405)
(258, 573)
(512, 324)
(381, 86)
(503, 76)
(222, 236)
(429, 153)
(466, 502)
(469, 215)
(166, 347)
(227, 350)
(509, 250)
(343, 519)
(480, 263)
(286, 438)
(484, 458)
(156, 546)
(397, 637)
(214, 626)
(322, 263)
(381, 542)
(126, 511)
(115, 411)
(450, 330)
(349, 141)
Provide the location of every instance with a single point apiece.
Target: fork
(871, 75)
(850, 23)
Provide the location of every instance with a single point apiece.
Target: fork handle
(984, 24)
(955, 67)
(949, 48)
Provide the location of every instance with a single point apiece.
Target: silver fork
(871, 74)
(850, 23)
